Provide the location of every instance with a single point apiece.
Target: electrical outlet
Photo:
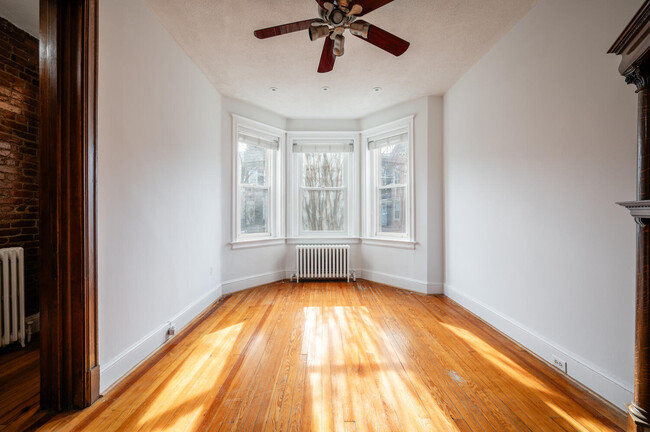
(560, 364)
(171, 331)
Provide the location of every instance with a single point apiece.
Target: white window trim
(370, 232)
(353, 187)
(276, 186)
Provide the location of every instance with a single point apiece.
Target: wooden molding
(68, 92)
(633, 45)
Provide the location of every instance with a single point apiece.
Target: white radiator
(12, 296)
(322, 262)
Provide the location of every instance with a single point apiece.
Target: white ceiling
(21, 13)
(446, 36)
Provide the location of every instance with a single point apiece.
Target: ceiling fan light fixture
(318, 32)
(324, 89)
(360, 29)
(339, 43)
(337, 17)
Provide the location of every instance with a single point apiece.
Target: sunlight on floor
(330, 356)
(499, 360)
(188, 381)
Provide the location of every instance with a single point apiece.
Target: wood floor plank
(325, 356)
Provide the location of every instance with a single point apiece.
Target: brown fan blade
(327, 57)
(384, 40)
(284, 29)
(369, 5)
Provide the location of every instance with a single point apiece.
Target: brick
(19, 163)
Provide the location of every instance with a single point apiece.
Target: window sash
(375, 151)
(268, 205)
(404, 201)
(266, 186)
(393, 185)
(344, 227)
(347, 147)
(343, 148)
(323, 188)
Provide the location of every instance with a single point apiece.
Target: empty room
(346, 215)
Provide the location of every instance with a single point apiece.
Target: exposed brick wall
(19, 174)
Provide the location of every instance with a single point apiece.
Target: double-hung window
(322, 187)
(257, 181)
(389, 178)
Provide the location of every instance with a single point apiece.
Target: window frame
(372, 216)
(275, 232)
(295, 188)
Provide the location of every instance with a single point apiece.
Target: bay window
(327, 198)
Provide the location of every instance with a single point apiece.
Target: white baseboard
(402, 282)
(112, 371)
(422, 287)
(241, 284)
(579, 369)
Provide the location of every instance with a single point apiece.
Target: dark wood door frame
(68, 98)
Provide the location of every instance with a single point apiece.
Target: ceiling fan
(335, 18)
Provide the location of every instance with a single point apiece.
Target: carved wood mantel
(633, 45)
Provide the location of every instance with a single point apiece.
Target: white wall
(420, 269)
(244, 268)
(158, 187)
(435, 194)
(539, 144)
(318, 125)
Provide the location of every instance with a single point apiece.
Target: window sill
(388, 242)
(259, 242)
(323, 240)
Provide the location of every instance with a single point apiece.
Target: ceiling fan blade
(369, 5)
(284, 29)
(327, 57)
(384, 40)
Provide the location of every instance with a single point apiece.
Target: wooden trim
(632, 30)
(634, 47)
(633, 44)
(68, 80)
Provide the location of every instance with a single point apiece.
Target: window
(257, 181)
(322, 168)
(389, 181)
(254, 166)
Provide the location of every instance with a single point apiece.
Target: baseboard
(241, 284)
(120, 366)
(590, 376)
(401, 282)
(244, 283)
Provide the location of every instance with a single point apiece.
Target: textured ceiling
(447, 37)
(21, 13)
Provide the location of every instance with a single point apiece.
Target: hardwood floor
(19, 384)
(333, 356)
